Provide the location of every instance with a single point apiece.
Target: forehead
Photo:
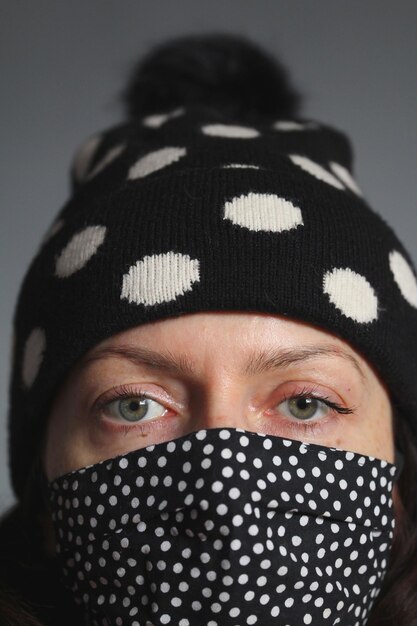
(257, 341)
(240, 328)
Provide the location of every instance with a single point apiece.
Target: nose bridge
(220, 405)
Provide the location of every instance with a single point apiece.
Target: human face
(212, 385)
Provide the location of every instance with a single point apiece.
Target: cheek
(375, 426)
(56, 448)
(64, 444)
(370, 435)
(381, 438)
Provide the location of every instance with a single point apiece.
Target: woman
(213, 400)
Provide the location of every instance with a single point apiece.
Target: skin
(217, 393)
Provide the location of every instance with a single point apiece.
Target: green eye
(133, 409)
(136, 408)
(304, 408)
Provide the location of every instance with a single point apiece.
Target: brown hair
(396, 605)
(31, 595)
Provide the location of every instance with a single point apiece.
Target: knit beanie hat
(214, 195)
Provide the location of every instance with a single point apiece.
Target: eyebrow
(258, 362)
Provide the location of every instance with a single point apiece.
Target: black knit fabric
(226, 527)
(189, 210)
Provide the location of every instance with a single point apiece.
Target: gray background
(64, 62)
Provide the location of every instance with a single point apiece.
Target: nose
(229, 420)
(223, 408)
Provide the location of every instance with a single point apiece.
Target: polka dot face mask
(226, 527)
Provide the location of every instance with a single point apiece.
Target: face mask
(226, 527)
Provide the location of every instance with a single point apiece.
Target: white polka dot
(230, 130)
(352, 294)
(79, 250)
(237, 520)
(240, 166)
(83, 157)
(316, 170)
(160, 278)
(155, 161)
(235, 544)
(290, 125)
(156, 120)
(345, 176)
(110, 156)
(253, 530)
(33, 355)
(263, 212)
(404, 277)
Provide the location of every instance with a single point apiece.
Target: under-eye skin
(298, 412)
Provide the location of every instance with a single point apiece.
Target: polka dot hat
(214, 195)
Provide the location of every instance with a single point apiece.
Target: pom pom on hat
(222, 71)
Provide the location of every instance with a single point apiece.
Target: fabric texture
(226, 527)
(188, 210)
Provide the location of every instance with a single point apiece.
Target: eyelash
(126, 391)
(315, 427)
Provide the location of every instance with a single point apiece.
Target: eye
(138, 408)
(304, 408)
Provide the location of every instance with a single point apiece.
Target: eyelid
(310, 390)
(314, 391)
(291, 388)
(127, 390)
